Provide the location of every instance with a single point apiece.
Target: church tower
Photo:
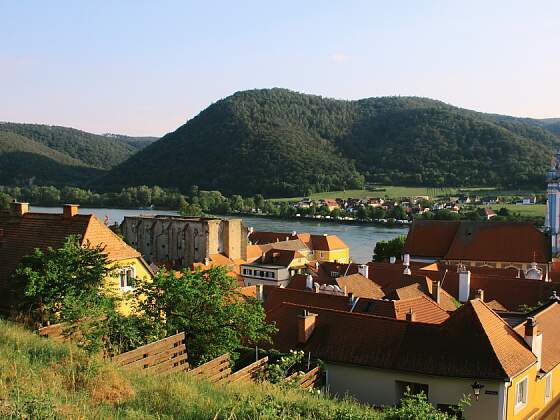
(552, 222)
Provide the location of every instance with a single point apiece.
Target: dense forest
(277, 142)
(282, 143)
(44, 155)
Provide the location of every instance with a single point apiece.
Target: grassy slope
(43, 379)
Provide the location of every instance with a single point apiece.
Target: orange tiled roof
(424, 309)
(360, 286)
(547, 322)
(327, 243)
(21, 235)
(473, 343)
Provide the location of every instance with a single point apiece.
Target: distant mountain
(46, 154)
(136, 142)
(279, 143)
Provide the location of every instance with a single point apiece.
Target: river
(360, 238)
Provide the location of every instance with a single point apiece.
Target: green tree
(68, 285)
(386, 249)
(208, 307)
(259, 201)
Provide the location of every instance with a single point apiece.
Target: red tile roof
(327, 243)
(477, 241)
(499, 241)
(473, 343)
(430, 238)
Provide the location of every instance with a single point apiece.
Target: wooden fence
(219, 370)
(308, 380)
(163, 356)
(52, 331)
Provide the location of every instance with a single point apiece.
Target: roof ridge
(88, 227)
(359, 314)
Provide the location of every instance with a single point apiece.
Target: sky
(145, 67)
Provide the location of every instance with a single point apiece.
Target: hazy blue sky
(144, 68)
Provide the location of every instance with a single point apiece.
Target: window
(334, 274)
(521, 394)
(411, 387)
(548, 387)
(126, 277)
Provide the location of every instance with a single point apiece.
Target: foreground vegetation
(40, 378)
(46, 379)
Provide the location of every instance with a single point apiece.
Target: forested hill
(278, 143)
(46, 154)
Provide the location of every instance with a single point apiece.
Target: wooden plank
(147, 350)
(220, 375)
(224, 358)
(156, 358)
(249, 370)
(169, 364)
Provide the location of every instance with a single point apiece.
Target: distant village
(403, 210)
(466, 308)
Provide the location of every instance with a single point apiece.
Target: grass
(532, 210)
(392, 191)
(40, 378)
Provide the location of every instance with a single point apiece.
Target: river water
(360, 238)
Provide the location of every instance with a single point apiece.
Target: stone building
(182, 241)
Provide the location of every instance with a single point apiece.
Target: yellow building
(321, 248)
(21, 232)
(329, 248)
(509, 369)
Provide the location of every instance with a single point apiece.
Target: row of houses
(469, 309)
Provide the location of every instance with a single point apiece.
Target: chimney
(363, 269)
(351, 299)
(406, 259)
(436, 291)
(410, 316)
(294, 233)
(259, 295)
(309, 282)
(480, 294)
(534, 339)
(69, 210)
(306, 325)
(19, 209)
(392, 260)
(464, 285)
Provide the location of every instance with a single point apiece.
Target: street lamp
(476, 389)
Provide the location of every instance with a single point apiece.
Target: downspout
(503, 400)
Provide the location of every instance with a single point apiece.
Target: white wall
(379, 387)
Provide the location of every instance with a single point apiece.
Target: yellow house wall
(535, 397)
(339, 255)
(113, 282)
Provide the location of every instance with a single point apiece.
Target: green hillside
(281, 143)
(45, 154)
(43, 379)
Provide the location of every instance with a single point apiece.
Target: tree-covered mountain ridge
(280, 143)
(44, 154)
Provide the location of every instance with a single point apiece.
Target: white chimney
(260, 294)
(392, 260)
(534, 339)
(294, 233)
(406, 259)
(464, 285)
(309, 282)
(363, 269)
